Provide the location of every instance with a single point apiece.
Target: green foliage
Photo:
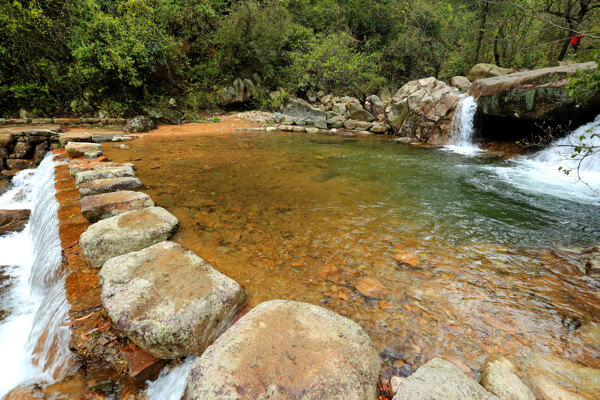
(585, 85)
(334, 63)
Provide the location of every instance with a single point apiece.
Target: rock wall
(24, 149)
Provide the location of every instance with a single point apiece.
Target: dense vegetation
(113, 56)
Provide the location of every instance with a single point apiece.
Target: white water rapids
(33, 345)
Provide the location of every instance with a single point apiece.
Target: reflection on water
(432, 252)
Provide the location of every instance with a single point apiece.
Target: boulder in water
(106, 205)
(109, 185)
(103, 173)
(538, 94)
(288, 350)
(423, 109)
(131, 231)
(441, 379)
(13, 220)
(499, 377)
(167, 300)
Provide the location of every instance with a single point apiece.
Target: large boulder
(6, 139)
(131, 231)
(301, 110)
(482, 70)
(13, 220)
(462, 83)
(441, 379)
(106, 205)
(240, 92)
(499, 377)
(103, 173)
(423, 109)
(139, 124)
(167, 300)
(165, 115)
(288, 350)
(535, 95)
(78, 149)
(357, 112)
(109, 185)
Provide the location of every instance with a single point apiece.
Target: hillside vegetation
(113, 56)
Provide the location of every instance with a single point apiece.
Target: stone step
(168, 300)
(109, 185)
(78, 149)
(103, 173)
(106, 205)
(127, 232)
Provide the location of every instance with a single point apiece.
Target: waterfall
(463, 127)
(33, 344)
(171, 383)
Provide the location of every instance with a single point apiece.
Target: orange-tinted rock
(29, 392)
(13, 220)
(108, 205)
(407, 258)
(141, 364)
(370, 287)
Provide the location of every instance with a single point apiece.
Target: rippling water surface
(432, 252)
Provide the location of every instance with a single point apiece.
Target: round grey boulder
(288, 350)
(168, 300)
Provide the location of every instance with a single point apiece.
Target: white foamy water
(33, 345)
(170, 384)
(463, 128)
(543, 172)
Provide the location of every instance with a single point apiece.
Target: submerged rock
(167, 300)
(499, 377)
(106, 205)
(109, 185)
(103, 173)
(78, 149)
(131, 231)
(288, 350)
(13, 220)
(441, 379)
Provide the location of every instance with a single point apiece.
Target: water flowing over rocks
(124, 233)
(103, 173)
(538, 94)
(423, 109)
(99, 186)
(288, 350)
(106, 205)
(167, 300)
(441, 379)
(13, 220)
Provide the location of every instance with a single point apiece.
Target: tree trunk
(484, 14)
(498, 35)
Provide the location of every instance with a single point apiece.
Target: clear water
(171, 382)
(309, 217)
(33, 345)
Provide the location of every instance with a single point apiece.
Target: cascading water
(170, 384)
(544, 172)
(463, 127)
(33, 344)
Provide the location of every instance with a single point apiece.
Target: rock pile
(24, 149)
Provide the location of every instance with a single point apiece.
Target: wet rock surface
(441, 379)
(125, 233)
(103, 173)
(13, 220)
(78, 149)
(288, 350)
(167, 300)
(109, 185)
(106, 205)
(499, 377)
